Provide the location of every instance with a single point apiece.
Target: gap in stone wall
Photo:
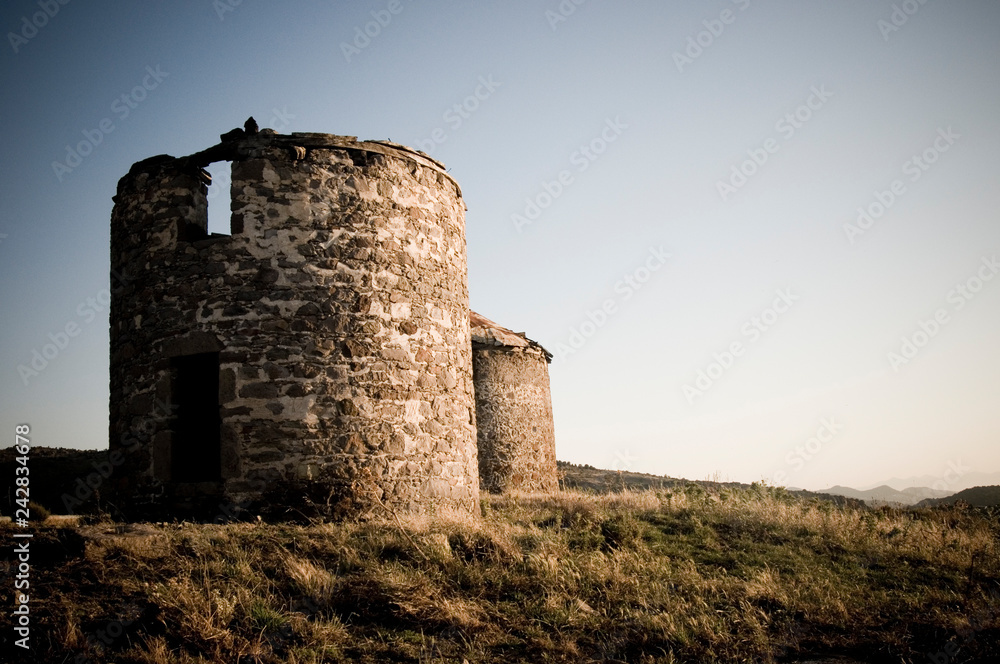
(220, 197)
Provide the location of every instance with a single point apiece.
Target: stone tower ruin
(320, 352)
(517, 450)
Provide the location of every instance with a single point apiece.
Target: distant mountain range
(957, 476)
(886, 495)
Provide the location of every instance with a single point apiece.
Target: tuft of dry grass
(315, 583)
(679, 575)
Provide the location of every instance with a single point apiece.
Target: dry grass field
(687, 574)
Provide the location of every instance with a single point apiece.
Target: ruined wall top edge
(494, 346)
(296, 146)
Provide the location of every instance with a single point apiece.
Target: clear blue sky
(673, 103)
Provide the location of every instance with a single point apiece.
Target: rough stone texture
(338, 307)
(513, 410)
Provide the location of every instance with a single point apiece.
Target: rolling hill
(977, 496)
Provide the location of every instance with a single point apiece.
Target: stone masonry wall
(514, 419)
(339, 309)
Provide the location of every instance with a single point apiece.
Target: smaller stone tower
(516, 438)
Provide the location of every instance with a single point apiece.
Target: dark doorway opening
(196, 450)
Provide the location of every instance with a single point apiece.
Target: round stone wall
(336, 312)
(513, 411)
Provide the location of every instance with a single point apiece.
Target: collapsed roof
(490, 334)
